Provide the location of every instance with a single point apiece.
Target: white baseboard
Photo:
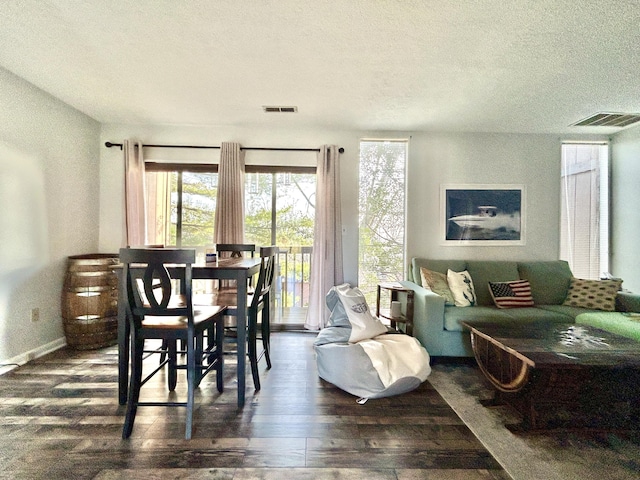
(23, 358)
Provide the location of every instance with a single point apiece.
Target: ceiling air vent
(608, 120)
(277, 109)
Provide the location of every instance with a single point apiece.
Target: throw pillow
(511, 294)
(595, 294)
(364, 324)
(437, 283)
(461, 285)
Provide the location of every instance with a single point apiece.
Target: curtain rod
(111, 144)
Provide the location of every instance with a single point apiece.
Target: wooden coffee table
(561, 375)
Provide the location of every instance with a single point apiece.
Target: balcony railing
(292, 284)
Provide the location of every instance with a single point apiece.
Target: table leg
(241, 319)
(123, 344)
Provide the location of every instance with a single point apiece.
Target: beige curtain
(135, 217)
(326, 261)
(229, 225)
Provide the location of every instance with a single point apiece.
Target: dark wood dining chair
(258, 314)
(158, 310)
(236, 249)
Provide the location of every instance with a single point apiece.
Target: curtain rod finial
(341, 150)
(109, 145)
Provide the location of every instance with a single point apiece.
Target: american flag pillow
(511, 294)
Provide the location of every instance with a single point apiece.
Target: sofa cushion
(484, 271)
(595, 294)
(436, 265)
(625, 324)
(627, 302)
(454, 315)
(570, 312)
(534, 314)
(461, 285)
(437, 283)
(549, 280)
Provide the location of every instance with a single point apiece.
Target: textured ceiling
(476, 65)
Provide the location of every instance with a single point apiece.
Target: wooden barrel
(90, 301)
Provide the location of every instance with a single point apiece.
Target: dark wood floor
(59, 418)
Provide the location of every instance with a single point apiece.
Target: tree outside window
(381, 213)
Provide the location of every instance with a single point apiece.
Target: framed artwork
(483, 214)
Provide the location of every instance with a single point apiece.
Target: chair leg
(266, 332)
(191, 385)
(266, 345)
(219, 339)
(211, 332)
(173, 360)
(199, 349)
(165, 347)
(251, 348)
(134, 386)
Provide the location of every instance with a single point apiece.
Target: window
(181, 204)
(280, 207)
(381, 213)
(584, 233)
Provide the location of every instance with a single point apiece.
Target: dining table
(238, 269)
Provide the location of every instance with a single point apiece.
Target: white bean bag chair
(360, 355)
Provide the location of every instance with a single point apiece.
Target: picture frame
(483, 214)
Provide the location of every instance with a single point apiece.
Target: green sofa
(438, 327)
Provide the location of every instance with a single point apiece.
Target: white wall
(478, 158)
(49, 192)
(625, 215)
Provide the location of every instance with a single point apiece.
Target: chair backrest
(266, 274)
(236, 249)
(148, 282)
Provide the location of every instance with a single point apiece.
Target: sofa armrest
(627, 302)
(428, 317)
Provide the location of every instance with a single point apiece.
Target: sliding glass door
(280, 210)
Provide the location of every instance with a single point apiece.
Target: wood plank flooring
(60, 418)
